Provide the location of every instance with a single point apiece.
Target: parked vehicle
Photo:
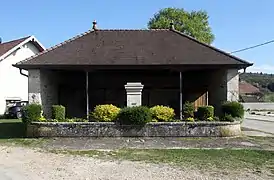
(15, 110)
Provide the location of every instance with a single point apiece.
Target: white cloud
(265, 68)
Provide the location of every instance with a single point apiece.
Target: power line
(244, 49)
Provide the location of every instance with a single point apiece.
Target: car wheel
(19, 115)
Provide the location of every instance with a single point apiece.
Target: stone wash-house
(94, 67)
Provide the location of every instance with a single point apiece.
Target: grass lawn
(223, 159)
(12, 128)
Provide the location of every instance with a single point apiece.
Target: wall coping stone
(152, 129)
(150, 123)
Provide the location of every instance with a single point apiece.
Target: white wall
(12, 83)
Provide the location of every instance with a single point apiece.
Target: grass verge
(224, 159)
(12, 128)
(24, 142)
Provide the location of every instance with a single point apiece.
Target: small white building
(13, 83)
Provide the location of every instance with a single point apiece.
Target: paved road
(259, 124)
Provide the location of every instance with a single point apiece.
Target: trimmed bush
(105, 113)
(162, 113)
(139, 115)
(58, 112)
(205, 113)
(188, 109)
(31, 112)
(235, 109)
(227, 117)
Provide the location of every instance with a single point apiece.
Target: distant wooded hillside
(261, 80)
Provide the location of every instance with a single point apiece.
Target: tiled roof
(247, 88)
(6, 46)
(132, 47)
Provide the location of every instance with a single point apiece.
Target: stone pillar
(232, 85)
(34, 87)
(223, 86)
(134, 94)
(43, 89)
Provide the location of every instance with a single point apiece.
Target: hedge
(234, 109)
(205, 113)
(105, 113)
(139, 115)
(162, 113)
(31, 112)
(58, 112)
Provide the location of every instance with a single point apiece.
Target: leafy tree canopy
(194, 23)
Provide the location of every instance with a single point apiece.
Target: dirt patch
(27, 164)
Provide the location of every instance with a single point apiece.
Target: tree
(194, 23)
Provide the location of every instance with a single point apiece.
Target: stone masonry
(223, 86)
(43, 89)
(159, 129)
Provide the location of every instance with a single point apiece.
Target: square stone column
(223, 86)
(43, 89)
(232, 78)
(134, 94)
(34, 87)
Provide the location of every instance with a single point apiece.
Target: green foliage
(68, 120)
(194, 23)
(190, 119)
(269, 97)
(235, 109)
(162, 113)
(58, 112)
(227, 117)
(262, 80)
(188, 109)
(205, 113)
(31, 112)
(105, 113)
(139, 115)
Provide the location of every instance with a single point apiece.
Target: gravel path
(17, 163)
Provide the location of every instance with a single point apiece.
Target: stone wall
(101, 129)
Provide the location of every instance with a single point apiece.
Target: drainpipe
(23, 73)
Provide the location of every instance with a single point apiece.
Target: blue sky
(236, 23)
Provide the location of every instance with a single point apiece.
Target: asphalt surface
(259, 123)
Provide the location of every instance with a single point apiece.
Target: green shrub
(162, 113)
(105, 113)
(205, 113)
(235, 109)
(139, 115)
(188, 109)
(189, 119)
(58, 112)
(227, 117)
(68, 120)
(31, 112)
